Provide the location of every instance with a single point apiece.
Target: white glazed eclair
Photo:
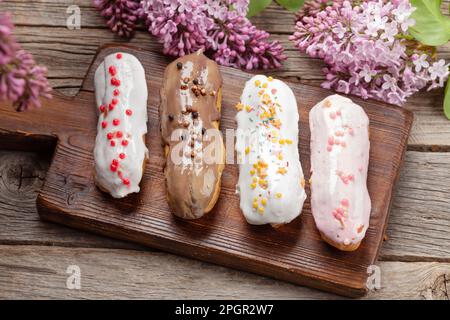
(271, 182)
(120, 152)
(340, 146)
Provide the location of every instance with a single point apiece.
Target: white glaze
(340, 173)
(133, 96)
(285, 193)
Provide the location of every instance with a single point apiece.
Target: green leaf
(292, 5)
(432, 27)
(256, 6)
(447, 101)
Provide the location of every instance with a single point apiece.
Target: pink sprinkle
(115, 162)
(112, 143)
(119, 56)
(122, 156)
(351, 177)
(114, 101)
(329, 148)
(116, 92)
(126, 182)
(344, 202)
(333, 115)
(116, 122)
(345, 180)
(274, 91)
(104, 124)
(129, 112)
(340, 211)
(331, 140)
(338, 113)
(351, 132)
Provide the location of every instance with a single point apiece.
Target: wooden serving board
(293, 253)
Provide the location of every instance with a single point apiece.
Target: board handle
(39, 129)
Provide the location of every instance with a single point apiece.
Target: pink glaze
(340, 200)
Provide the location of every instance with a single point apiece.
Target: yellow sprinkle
(261, 209)
(282, 141)
(280, 157)
(263, 183)
(327, 104)
(279, 195)
(257, 83)
(270, 79)
(282, 170)
(247, 150)
(248, 108)
(263, 201)
(255, 165)
(260, 93)
(265, 85)
(255, 205)
(263, 175)
(288, 141)
(302, 183)
(255, 179)
(239, 106)
(253, 185)
(252, 172)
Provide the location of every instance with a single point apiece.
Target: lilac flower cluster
(367, 48)
(21, 80)
(217, 26)
(121, 15)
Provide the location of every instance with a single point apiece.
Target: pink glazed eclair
(340, 147)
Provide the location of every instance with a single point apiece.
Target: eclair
(271, 184)
(340, 147)
(193, 145)
(121, 98)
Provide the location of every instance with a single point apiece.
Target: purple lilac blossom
(367, 49)
(216, 26)
(121, 15)
(21, 81)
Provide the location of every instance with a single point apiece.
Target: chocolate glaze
(189, 112)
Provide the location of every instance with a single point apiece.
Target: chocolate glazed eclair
(190, 116)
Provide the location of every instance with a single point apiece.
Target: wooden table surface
(34, 256)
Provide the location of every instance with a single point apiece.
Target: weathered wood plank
(68, 54)
(34, 272)
(417, 229)
(419, 223)
(21, 176)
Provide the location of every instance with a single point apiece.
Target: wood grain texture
(68, 53)
(294, 253)
(34, 272)
(411, 237)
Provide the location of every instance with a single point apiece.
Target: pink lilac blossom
(220, 27)
(367, 49)
(121, 15)
(21, 81)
